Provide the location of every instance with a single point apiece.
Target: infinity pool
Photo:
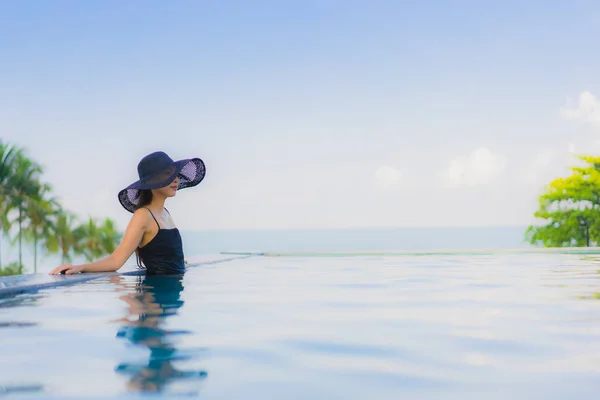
(518, 326)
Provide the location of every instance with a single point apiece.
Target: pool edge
(457, 252)
(19, 284)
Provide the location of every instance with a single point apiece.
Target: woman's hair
(145, 199)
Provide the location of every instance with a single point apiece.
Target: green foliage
(8, 159)
(11, 269)
(92, 239)
(26, 204)
(41, 212)
(65, 237)
(571, 208)
(110, 235)
(22, 187)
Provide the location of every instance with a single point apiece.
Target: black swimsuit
(163, 255)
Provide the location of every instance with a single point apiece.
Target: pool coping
(26, 283)
(450, 252)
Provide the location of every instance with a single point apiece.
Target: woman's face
(169, 190)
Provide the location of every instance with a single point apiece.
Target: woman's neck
(157, 203)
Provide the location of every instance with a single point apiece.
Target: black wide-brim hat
(158, 170)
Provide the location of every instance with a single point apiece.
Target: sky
(308, 114)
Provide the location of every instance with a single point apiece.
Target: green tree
(110, 236)
(97, 240)
(11, 269)
(40, 213)
(25, 185)
(22, 186)
(64, 237)
(9, 155)
(90, 244)
(570, 208)
(28, 203)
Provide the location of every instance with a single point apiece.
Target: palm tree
(97, 240)
(91, 240)
(40, 212)
(25, 200)
(24, 187)
(8, 160)
(64, 237)
(110, 236)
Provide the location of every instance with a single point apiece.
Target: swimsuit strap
(153, 217)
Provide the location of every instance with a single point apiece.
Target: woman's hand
(66, 269)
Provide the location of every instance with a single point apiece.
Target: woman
(151, 233)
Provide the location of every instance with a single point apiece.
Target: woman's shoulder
(141, 216)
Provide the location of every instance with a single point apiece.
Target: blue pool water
(518, 326)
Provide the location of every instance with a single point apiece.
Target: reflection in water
(14, 389)
(16, 324)
(22, 300)
(156, 298)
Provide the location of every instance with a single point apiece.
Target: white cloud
(587, 109)
(387, 176)
(479, 168)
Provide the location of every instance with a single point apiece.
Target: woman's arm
(131, 240)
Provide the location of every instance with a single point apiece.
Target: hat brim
(190, 171)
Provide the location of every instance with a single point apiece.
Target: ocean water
(501, 326)
(198, 243)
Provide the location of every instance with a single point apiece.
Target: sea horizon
(200, 242)
(335, 239)
(362, 228)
